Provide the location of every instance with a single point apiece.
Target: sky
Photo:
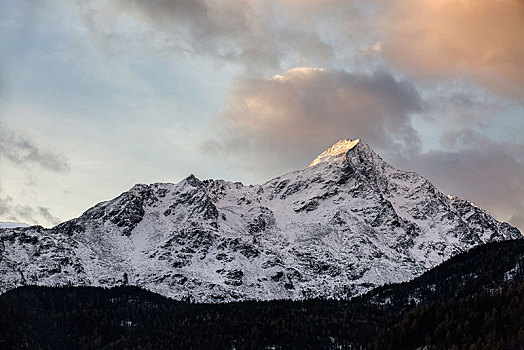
(96, 96)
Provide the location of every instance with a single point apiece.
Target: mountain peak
(338, 150)
(336, 230)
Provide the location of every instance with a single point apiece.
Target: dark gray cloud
(459, 108)
(305, 110)
(20, 149)
(470, 166)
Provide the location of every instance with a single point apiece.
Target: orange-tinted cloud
(297, 114)
(483, 40)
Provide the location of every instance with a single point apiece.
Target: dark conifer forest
(472, 301)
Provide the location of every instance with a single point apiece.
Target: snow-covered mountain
(346, 223)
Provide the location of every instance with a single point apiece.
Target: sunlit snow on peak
(337, 151)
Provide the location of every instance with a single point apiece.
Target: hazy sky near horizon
(96, 96)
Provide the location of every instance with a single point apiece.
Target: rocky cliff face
(346, 223)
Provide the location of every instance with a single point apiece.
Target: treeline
(483, 321)
(129, 317)
(473, 301)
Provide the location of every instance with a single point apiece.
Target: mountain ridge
(341, 226)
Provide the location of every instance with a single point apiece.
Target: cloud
(304, 110)
(239, 31)
(371, 50)
(458, 38)
(479, 40)
(47, 216)
(11, 211)
(19, 149)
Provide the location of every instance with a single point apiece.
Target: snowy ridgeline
(345, 224)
